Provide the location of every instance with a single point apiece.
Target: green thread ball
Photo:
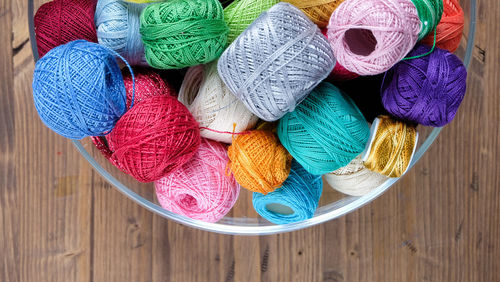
(241, 13)
(429, 13)
(182, 33)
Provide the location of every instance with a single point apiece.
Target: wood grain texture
(60, 221)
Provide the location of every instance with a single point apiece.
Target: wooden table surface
(60, 221)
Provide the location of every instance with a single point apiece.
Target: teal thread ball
(325, 132)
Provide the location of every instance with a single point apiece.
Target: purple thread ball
(426, 90)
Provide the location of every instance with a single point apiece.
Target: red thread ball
(450, 28)
(155, 137)
(61, 21)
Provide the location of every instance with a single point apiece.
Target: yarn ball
(155, 137)
(450, 28)
(355, 179)
(216, 109)
(241, 13)
(78, 90)
(319, 11)
(258, 161)
(339, 73)
(325, 132)
(429, 13)
(391, 147)
(183, 33)
(295, 201)
(117, 24)
(426, 90)
(200, 189)
(61, 21)
(369, 37)
(276, 62)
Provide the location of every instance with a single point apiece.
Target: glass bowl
(242, 219)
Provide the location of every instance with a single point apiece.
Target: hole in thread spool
(360, 41)
(279, 209)
(187, 200)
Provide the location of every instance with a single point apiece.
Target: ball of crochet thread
(391, 147)
(275, 63)
(200, 189)
(429, 12)
(319, 11)
(155, 137)
(216, 109)
(183, 33)
(61, 21)
(369, 37)
(258, 161)
(117, 24)
(295, 201)
(78, 90)
(355, 179)
(241, 13)
(325, 132)
(426, 90)
(450, 28)
(148, 83)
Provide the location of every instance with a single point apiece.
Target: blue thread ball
(78, 90)
(117, 25)
(325, 132)
(300, 193)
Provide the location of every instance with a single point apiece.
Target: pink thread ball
(200, 189)
(368, 37)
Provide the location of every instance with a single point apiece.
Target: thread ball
(276, 62)
(183, 33)
(78, 90)
(212, 104)
(450, 28)
(369, 37)
(297, 198)
(155, 137)
(426, 90)
(117, 24)
(200, 189)
(61, 21)
(258, 161)
(325, 132)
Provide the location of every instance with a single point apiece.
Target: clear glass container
(242, 219)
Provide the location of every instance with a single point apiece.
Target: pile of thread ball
(117, 24)
(300, 194)
(426, 90)
(200, 189)
(61, 21)
(78, 90)
(216, 109)
(183, 33)
(429, 13)
(391, 147)
(258, 161)
(325, 132)
(241, 13)
(450, 28)
(369, 37)
(155, 137)
(275, 63)
(319, 11)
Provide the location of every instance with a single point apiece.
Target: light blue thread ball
(117, 25)
(325, 132)
(298, 198)
(78, 90)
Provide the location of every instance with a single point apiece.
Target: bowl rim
(263, 227)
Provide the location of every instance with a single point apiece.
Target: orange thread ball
(319, 11)
(259, 162)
